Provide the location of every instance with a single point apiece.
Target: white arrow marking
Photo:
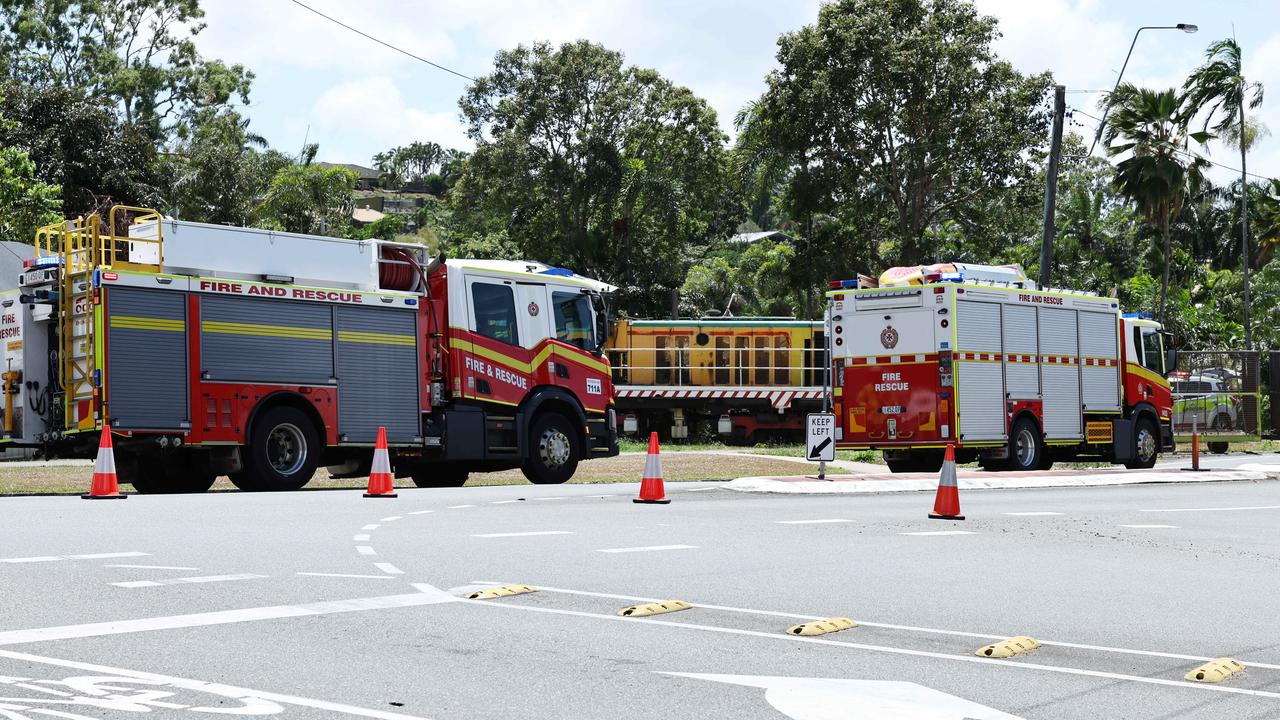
(839, 699)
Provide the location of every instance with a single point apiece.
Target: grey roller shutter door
(1021, 352)
(147, 358)
(1059, 338)
(979, 383)
(267, 341)
(1099, 357)
(377, 373)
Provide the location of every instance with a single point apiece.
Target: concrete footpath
(885, 482)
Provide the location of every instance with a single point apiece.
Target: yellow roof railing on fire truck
(85, 245)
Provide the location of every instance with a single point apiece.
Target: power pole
(1051, 184)
(1244, 226)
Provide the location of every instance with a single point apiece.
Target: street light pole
(1184, 27)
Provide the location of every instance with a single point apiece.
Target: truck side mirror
(1170, 360)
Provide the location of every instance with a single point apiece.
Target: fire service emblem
(533, 309)
(889, 337)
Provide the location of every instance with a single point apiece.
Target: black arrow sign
(817, 450)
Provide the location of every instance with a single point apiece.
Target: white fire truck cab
(980, 358)
(212, 350)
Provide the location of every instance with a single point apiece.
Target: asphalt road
(328, 605)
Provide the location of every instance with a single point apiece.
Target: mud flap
(1122, 442)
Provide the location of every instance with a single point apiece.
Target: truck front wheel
(1026, 447)
(553, 450)
(283, 451)
(1146, 445)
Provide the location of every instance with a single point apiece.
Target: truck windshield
(573, 319)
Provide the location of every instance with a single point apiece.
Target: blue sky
(318, 81)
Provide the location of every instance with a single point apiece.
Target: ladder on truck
(81, 248)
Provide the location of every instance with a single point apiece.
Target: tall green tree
(25, 202)
(898, 115)
(585, 161)
(138, 54)
(1218, 89)
(221, 171)
(77, 142)
(1148, 130)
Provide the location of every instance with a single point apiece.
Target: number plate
(891, 410)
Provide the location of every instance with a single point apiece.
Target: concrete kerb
(921, 482)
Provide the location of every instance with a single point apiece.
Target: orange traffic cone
(651, 489)
(380, 482)
(105, 484)
(946, 506)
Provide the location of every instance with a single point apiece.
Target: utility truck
(1012, 375)
(212, 350)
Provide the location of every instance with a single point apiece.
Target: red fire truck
(213, 350)
(1013, 376)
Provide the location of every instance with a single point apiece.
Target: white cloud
(356, 119)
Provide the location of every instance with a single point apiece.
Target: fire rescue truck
(1012, 375)
(212, 350)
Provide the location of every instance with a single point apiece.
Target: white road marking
(104, 556)
(421, 512)
(374, 526)
(366, 550)
(388, 568)
(1215, 509)
(499, 502)
(951, 657)
(1171, 527)
(523, 534)
(459, 507)
(239, 693)
(648, 549)
(188, 580)
(558, 497)
(887, 626)
(807, 698)
(347, 575)
(154, 567)
(940, 532)
(362, 537)
(701, 489)
(90, 556)
(220, 617)
(1038, 513)
(393, 518)
(812, 522)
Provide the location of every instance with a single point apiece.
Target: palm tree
(1218, 89)
(1159, 171)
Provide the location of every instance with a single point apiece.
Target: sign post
(820, 440)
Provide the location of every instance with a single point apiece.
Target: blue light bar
(48, 260)
(1139, 316)
(561, 272)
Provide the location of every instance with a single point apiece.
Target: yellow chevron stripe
(376, 338)
(1146, 374)
(527, 367)
(131, 322)
(281, 331)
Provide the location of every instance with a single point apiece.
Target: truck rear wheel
(283, 451)
(1026, 447)
(1146, 444)
(553, 450)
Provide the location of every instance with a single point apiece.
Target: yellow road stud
(1008, 648)
(655, 608)
(822, 627)
(501, 591)
(1215, 671)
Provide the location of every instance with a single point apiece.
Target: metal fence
(1218, 394)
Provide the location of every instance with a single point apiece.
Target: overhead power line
(1188, 153)
(383, 43)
